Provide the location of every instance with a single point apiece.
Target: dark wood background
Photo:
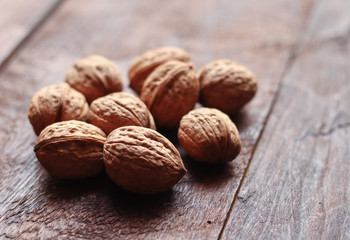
(292, 178)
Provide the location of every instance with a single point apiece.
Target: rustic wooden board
(297, 186)
(18, 19)
(36, 205)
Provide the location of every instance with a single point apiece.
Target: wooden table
(292, 178)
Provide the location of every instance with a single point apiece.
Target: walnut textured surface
(141, 160)
(170, 92)
(118, 110)
(209, 135)
(71, 149)
(95, 76)
(56, 103)
(226, 85)
(142, 67)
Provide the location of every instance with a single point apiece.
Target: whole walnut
(95, 76)
(170, 92)
(209, 135)
(144, 65)
(118, 110)
(226, 85)
(141, 160)
(56, 103)
(71, 149)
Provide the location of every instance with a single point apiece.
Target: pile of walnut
(121, 135)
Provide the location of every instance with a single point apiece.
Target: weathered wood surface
(262, 36)
(298, 183)
(18, 19)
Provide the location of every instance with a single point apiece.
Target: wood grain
(35, 205)
(18, 19)
(297, 186)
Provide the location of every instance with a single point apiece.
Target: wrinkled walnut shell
(141, 160)
(56, 103)
(226, 85)
(94, 76)
(170, 92)
(118, 110)
(71, 149)
(209, 135)
(142, 67)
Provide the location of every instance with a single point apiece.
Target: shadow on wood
(209, 174)
(241, 120)
(101, 187)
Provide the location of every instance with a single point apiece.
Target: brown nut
(209, 135)
(118, 110)
(141, 160)
(56, 103)
(142, 67)
(226, 85)
(170, 92)
(71, 149)
(95, 76)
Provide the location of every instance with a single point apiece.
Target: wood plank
(36, 205)
(18, 19)
(297, 186)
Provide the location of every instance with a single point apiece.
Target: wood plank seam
(289, 63)
(35, 27)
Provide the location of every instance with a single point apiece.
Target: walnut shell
(141, 160)
(142, 67)
(209, 135)
(71, 149)
(226, 85)
(56, 103)
(118, 110)
(95, 76)
(170, 92)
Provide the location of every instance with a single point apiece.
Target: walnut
(95, 76)
(226, 85)
(71, 149)
(118, 110)
(56, 103)
(141, 160)
(150, 60)
(209, 135)
(170, 92)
